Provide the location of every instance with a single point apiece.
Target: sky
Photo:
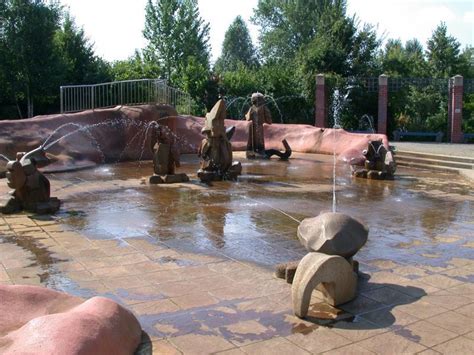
(115, 26)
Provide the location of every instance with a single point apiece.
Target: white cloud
(469, 17)
(408, 19)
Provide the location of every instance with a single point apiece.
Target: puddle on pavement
(255, 218)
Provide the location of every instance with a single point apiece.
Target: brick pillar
(383, 102)
(320, 110)
(450, 108)
(456, 134)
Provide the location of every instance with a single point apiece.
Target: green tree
(160, 29)
(79, 63)
(135, 67)
(175, 31)
(28, 28)
(237, 48)
(395, 60)
(178, 40)
(417, 64)
(443, 53)
(286, 25)
(340, 50)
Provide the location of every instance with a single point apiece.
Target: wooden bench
(397, 135)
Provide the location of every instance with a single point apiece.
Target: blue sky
(115, 26)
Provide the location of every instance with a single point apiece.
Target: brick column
(383, 102)
(456, 134)
(320, 110)
(450, 109)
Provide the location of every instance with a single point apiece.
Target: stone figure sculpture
(31, 189)
(332, 239)
(379, 162)
(166, 157)
(258, 114)
(215, 150)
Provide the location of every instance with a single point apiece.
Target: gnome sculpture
(165, 158)
(258, 114)
(379, 162)
(31, 189)
(215, 150)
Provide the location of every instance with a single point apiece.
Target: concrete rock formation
(258, 114)
(166, 157)
(31, 189)
(333, 233)
(215, 150)
(330, 274)
(286, 270)
(36, 320)
(379, 162)
(331, 239)
(76, 151)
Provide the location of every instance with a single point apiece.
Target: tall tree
(443, 53)
(160, 29)
(237, 48)
(135, 67)
(286, 25)
(416, 58)
(178, 40)
(175, 31)
(28, 29)
(338, 48)
(79, 63)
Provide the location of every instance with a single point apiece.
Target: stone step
(408, 159)
(451, 158)
(440, 168)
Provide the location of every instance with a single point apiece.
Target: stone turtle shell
(333, 233)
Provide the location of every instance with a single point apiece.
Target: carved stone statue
(332, 239)
(215, 150)
(165, 158)
(258, 114)
(379, 162)
(31, 189)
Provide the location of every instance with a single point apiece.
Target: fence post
(61, 98)
(93, 97)
(456, 110)
(320, 110)
(382, 105)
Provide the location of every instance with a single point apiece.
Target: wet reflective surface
(194, 262)
(418, 216)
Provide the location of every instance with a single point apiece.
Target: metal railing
(76, 98)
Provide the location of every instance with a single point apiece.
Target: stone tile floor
(194, 302)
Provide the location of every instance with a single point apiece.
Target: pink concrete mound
(36, 320)
(121, 133)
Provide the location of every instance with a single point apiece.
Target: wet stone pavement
(195, 262)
